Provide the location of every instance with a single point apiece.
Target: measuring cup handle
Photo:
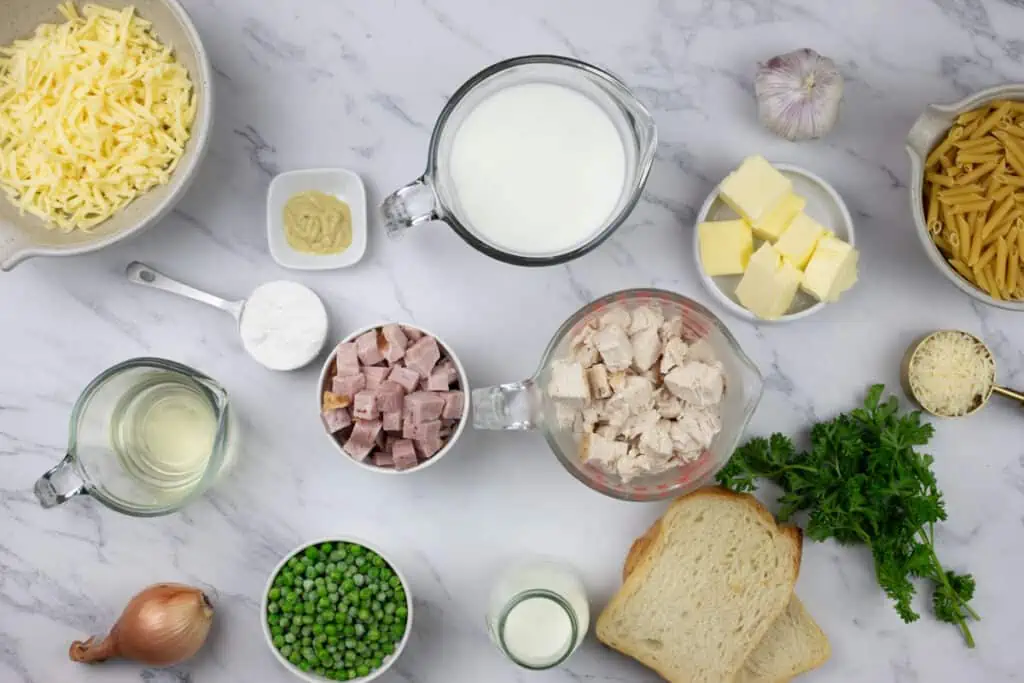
(1009, 393)
(515, 406)
(409, 206)
(68, 485)
(141, 274)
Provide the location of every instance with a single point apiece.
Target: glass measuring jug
(147, 436)
(437, 196)
(526, 406)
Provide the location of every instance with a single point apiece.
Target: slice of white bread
(716, 573)
(793, 645)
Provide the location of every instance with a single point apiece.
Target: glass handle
(409, 206)
(515, 406)
(67, 485)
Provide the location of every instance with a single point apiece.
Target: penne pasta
(969, 116)
(939, 179)
(961, 198)
(1002, 258)
(1001, 194)
(1014, 129)
(990, 121)
(1012, 180)
(964, 189)
(976, 173)
(986, 257)
(964, 230)
(984, 144)
(962, 268)
(1020, 243)
(1013, 271)
(1000, 214)
(975, 158)
(968, 207)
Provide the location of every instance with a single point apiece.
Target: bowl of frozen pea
(336, 610)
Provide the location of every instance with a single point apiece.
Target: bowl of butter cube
(775, 242)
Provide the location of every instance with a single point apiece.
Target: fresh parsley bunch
(863, 482)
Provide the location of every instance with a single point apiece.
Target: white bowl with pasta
(967, 192)
(23, 235)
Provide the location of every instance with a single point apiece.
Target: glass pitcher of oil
(147, 436)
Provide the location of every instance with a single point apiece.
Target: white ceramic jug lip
(926, 131)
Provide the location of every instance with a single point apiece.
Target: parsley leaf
(863, 482)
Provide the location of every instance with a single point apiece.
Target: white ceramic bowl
(463, 385)
(343, 184)
(823, 205)
(312, 677)
(926, 132)
(23, 237)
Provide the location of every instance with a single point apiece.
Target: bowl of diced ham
(393, 398)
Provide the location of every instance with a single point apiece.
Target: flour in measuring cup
(284, 325)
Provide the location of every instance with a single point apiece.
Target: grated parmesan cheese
(93, 113)
(951, 373)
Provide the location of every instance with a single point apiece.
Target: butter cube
(725, 246)
(775, 222)
(832, 269)
(769, 285)
(798, 241)
(754, 189)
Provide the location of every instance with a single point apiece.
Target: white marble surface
(358, 84)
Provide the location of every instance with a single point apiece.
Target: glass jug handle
(409, 206)
(67, 486)
(515, 406)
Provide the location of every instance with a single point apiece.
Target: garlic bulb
(798, 94)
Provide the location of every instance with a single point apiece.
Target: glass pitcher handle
(409, 206)
(515, 406)
(68, 485)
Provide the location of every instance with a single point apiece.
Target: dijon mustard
(317, 223)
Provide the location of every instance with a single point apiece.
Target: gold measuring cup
(989, 382)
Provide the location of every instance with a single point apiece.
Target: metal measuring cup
(990, 382)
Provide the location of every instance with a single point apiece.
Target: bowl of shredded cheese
(105, 112)
(949, 373)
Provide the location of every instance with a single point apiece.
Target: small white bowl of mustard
(316, 219)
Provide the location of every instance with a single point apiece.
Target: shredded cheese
(951, 373)
(93, 113)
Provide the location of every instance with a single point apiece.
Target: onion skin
(163, 625)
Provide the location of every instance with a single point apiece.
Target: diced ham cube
(404, 455)
(389, 397)
(364, 406)
(366, 347)
(348, 385)
(395, 343)
(362, 439)
(422, 356)
(375, 376)
(346, 360)
(423, 406)
(448, 366)
(389, 443)
(412, 333)
(438, 380)
(429, 431)
(337, 419)
(428, 447)
(393, 421)
(454, 404)
(383, 460)
(409, 428)
(406, 377)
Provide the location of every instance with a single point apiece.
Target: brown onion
(164, 624)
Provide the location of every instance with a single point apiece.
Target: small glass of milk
(538, 614)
